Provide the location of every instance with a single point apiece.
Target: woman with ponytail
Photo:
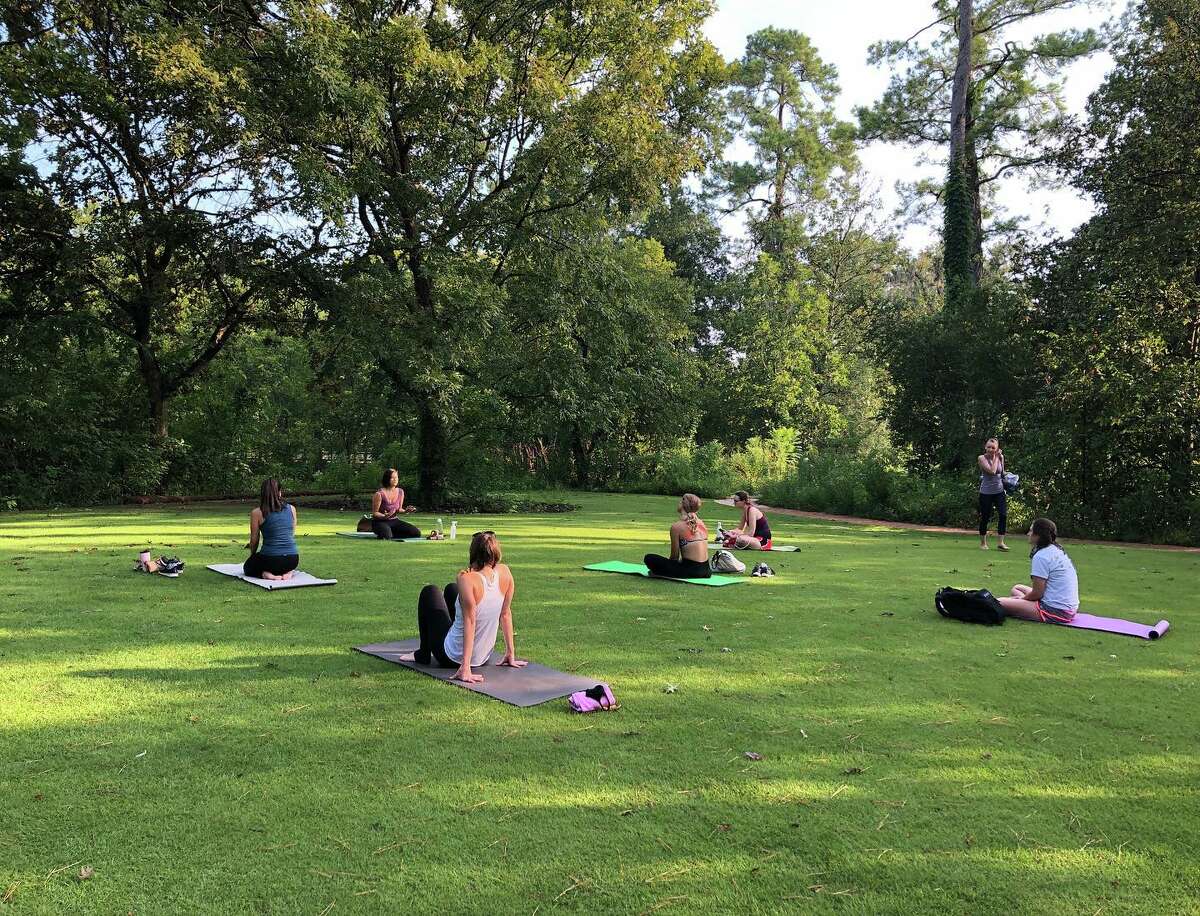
(1053, 596)
(689, 545)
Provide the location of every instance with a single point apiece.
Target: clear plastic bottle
(440, 527)
(453, 529)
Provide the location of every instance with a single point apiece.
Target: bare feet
(287, 575)
(983, 547)
(407, 656)
(270, 575)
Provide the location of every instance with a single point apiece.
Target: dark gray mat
(528, 686)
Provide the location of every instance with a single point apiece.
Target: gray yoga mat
(371, 536)
(528, 686)
(778, 548)
(298, 580)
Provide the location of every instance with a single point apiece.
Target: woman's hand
(509, 661)
(465, 675)
(410, 508)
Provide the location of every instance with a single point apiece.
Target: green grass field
(205, 746)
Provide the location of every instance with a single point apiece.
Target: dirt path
(939, 529)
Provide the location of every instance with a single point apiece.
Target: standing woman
(387, 505)
(1053, 593)
(274, 521)
(481, 598)
(689, 545)
(991, 493)
(753, 532)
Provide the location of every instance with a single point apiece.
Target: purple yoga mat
(1116, 625)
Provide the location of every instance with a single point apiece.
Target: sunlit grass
(208, 747)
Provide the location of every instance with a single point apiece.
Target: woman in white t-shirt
(481, 599)
(1053, 596)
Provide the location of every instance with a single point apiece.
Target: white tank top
(487, 622)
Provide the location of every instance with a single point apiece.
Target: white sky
(842, 30)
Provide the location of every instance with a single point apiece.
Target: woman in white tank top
(482, 601)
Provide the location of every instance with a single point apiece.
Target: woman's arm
(255, 521)
(466, 601)
(375, 501)
(674, 541)
(506, 624)
(1039, 588)
(988, 466)
(294, 515)
(400, 510)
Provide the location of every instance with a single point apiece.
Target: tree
(989, 101)
(153, 197)
(781, 103)
(1118, 305)
(460, 134)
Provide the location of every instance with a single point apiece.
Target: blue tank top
(278, 534)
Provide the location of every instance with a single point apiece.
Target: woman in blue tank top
(273, 523)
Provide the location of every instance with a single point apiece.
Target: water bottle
(453, 529)
(439, 528)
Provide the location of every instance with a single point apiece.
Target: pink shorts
(1054, 615)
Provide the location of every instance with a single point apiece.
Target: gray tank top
(991, 484)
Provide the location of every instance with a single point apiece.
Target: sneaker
(767, 571)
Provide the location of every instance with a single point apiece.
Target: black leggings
(435, 616)
(388, 528)
(277, 565)
(676, 569)
(986, 502)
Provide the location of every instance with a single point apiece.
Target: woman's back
(488, 589)
(278, 533)
(1062, 582)
(693, 545)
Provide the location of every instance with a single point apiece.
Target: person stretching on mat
(387, 505)
(275, 521)
(991, 493)
(753, 533)
(689, 545)
(1054, 595)
(481, 599)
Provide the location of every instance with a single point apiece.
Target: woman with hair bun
(689, 545)
(1053, 596)
(458, 624)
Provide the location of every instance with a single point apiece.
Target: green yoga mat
(638, 569)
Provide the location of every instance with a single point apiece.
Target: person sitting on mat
(689, 545)
(275, 521)
(753, 533)
(1054, 595)
(458, 624)
(387, 505)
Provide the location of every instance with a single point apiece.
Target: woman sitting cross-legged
(387, 505)
(689, 545)
(458, 624)
(753, 532)
(274, 521)
(1053, 596)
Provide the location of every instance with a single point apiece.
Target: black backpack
(969, 605)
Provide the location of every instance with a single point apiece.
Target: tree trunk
(433, 453)
(962, 252)
(581, 455)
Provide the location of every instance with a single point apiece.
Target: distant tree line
(491, 243)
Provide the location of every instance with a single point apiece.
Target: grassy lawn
(206, 746)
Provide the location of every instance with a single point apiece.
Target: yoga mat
(371, 535)
(638, 569)
(1117, 625)
(528, 686)
(298, 580)
(779, 548)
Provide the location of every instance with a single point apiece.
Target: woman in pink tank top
(387, 505)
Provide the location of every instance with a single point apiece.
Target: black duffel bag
(972, 605)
